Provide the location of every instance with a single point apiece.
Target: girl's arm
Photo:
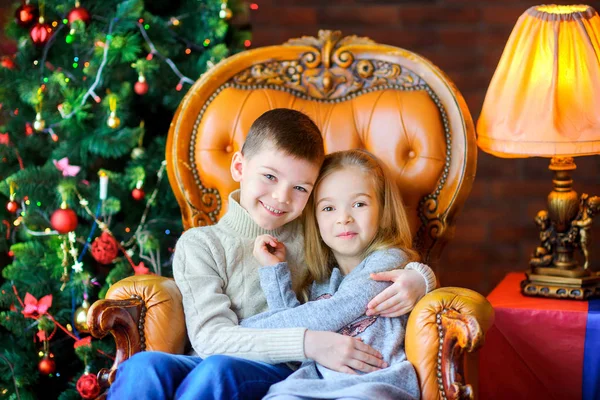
(276, 283)
(275, 280)
(212, 325)
(344, 307)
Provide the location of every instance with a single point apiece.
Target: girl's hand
(268, 250)
(341, 353)
(400, 298)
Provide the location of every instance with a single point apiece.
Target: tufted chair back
(384, 99)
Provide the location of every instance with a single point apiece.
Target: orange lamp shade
(544, 98)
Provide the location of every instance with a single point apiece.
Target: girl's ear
(237, 166)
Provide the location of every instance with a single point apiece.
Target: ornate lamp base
(564, 228)
(561, 287)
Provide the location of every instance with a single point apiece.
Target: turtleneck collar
(239, 220)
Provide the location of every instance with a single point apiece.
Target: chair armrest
(445, 325)
(143, 312)
(120, 318)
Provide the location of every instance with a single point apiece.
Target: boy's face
(274, 185)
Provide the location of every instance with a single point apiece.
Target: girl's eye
(301, 189)
(269, 177)
(328, 208)
(359, 204)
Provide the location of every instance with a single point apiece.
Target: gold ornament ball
(39, 124)
(80, 317)
(225, 14)
(113, 121)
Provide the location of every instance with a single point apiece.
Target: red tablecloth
(535, 349)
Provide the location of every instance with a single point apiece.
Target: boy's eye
(269, 177)
(328, 208)
(300, 189)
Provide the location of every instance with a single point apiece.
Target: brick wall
(495, 232)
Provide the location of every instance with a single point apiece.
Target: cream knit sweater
(218, 278)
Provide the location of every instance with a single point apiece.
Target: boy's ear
(237, 166)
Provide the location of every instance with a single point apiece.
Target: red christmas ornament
(141, 86)
(138, 194)
(105, 248)
(40, 33)
(87, 386)
(7, 62)
(47, 365)
(79, 14)
(64, 220)
(28, 129)
(26, 15)
(12, 206)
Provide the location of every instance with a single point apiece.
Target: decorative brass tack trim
(439, 354)
(141, 322)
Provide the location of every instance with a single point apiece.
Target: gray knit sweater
(339, 305)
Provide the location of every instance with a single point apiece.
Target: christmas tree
(85, 106)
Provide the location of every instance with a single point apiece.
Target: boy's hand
(268, 250)
(400, 298)
(341, 353)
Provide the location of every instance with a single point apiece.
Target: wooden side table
(540, 348)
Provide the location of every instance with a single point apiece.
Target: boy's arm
(344, 306)
(410, 285)
(426, 273)
(276, 283)
(212, 325)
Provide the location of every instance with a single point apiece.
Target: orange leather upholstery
(163, 324)
(444, 309)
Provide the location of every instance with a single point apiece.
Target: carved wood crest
(329, 69)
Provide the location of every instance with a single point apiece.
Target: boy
(218, 278)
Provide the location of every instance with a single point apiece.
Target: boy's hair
(393, 232)
(289, 131)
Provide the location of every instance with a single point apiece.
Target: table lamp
(544, 101)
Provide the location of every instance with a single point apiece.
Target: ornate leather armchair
(361, 94)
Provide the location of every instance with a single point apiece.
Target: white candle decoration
(103, 186)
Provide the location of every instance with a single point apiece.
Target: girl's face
(347, 213)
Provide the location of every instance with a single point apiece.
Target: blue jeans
(157, 375)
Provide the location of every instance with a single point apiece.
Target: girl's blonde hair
(393, 232)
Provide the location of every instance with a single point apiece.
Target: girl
(355, 225)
